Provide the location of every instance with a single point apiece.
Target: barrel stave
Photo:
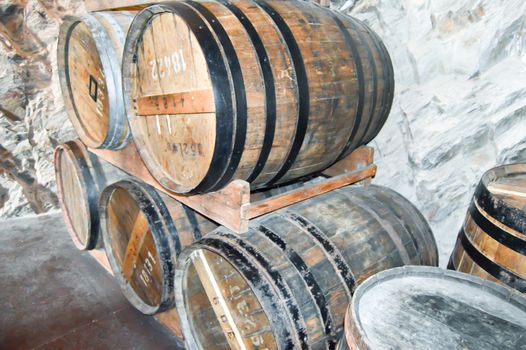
(276, 76)
(283, 85)
(143, 232)
(329, 85)
(312, 259)
(489, 244)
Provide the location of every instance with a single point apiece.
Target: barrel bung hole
(220, 305)
(133, 247)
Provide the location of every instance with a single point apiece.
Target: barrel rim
(279, 326)
(497, 208)
(143, 195)
(72, 148)
(354, 333)
(434, 257)
(267, 76)
(503, 274)
(112, 70)
(221, 86)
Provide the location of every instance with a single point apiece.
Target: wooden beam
(359, 158)
(137, 236)
(231, 205)
(189, 102)
(217, 301)
(299, 194)
(223, 207)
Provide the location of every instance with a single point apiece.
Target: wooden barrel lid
(84, 74)
(501, 193)
(90, 79)
(220, 307)
(137, 243)
(77, 194)
(431, 308)
(172, 74)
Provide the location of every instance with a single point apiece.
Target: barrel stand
(232, 206)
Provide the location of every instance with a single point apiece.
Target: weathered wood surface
(431, 308)
(89, 53)
(232, 205)
(188, 102)
(295, 87)
(80, 177)
(287, 282)
(492, 241)
(143, 232)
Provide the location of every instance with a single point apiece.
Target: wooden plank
(188, 102)
(231, 206)
(223, 207)
(359, 158)
(137, 236)
(217, 301)
(280, 201)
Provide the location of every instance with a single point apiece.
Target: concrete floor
(54, 297)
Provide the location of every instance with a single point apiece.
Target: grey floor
(54, 297)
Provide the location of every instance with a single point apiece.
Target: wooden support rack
(232, 206)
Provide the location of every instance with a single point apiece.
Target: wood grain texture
(492, 241)
(89, 53)
(296, 87)
(80, 177)
(231, 205)
(422, 307)
(143, 232)
(188, 102)
(286, 283)
(308, 191)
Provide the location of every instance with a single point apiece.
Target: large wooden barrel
(492, 242)
(89, 57)
(431, 308)
(264, 91)
(143, 232)
(286, 282)
(80, 177)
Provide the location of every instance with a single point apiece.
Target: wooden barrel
(143, 232)
(264, 91)
(89, 54)
(492, 242)
(80, 177)
(431, 308)
(286, 282)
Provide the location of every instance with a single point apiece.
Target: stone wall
(32, 116)
(458, 110)
(460, 101)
